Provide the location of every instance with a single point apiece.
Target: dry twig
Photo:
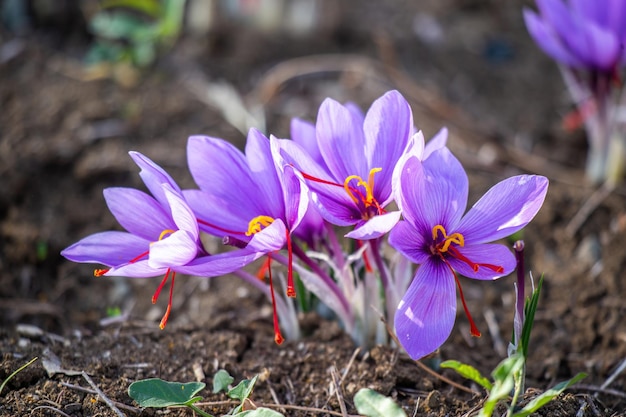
(342, 404)
(47, 407)
(90, 391)
(101, 394)
(590, 205)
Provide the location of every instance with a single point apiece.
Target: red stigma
(365, 202)
(278, 337)
(155, 297)
(446, 245)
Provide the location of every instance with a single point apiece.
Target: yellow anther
(369, 187)
(448, 240)
(346, 186)
(165, 233)
(258, 223)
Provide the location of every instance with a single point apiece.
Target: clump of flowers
(587, 38)
(286, 200)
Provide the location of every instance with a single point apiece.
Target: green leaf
(150, 7)
(116, 26)
(468, 372)
(221, 381)
(144, 53)
(372, 404)
(547, 396)
(259, 412)
(504, 381)
(158, 393)
(530, 307)
(243, 389)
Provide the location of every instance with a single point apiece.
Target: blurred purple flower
(432, 196)
(582, 34)
(162, 236)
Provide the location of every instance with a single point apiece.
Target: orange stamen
(100, 272)
(367, 199)
(258, 223)
(165, 233)
(448, 240)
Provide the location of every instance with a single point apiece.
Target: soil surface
(465, 64)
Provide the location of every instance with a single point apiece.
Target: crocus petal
(179, 248)
(138, 212)
(558, 16)
(409, 242)
(270, 239)
(414, 149)
(504, 209)
(221, 170)
(426, 314)
(295, 194)
(303, 133)
(182, 214)
(341, 141)
(216, 211)
(388, 125)
(436, 142)
(492, 254)
(594, 45)
(220, 264)
(261, 163)
(139, 269)
(547, 40)
(375, 227)
(602, 47)
(331, 201)
(433, 192)
(594, 10)
(338, 211)
(153, 176)
(107, 248)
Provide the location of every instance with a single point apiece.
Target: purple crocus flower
(350, 165)
(432, 195)
(162, 236)
(242, 195)
(582, 34)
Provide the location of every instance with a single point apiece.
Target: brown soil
(63, 139)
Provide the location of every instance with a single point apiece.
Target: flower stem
(326, 279)
(286, 315)
(391, 301)
(518, 246)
